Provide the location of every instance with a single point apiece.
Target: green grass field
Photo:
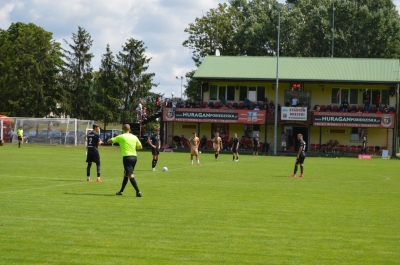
(345, 210)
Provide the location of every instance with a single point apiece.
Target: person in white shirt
(294, 102)
(174, 105)
(139, 111)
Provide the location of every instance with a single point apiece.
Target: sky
(160, 24)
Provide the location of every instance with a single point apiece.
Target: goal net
(52, 130)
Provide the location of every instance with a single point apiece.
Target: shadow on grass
(88, 194)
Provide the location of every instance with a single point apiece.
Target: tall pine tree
(77, 74)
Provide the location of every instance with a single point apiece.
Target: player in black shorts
(301, 155)
(364, 146)
(256, 142)
(155, 143)
(93, 142)
(235, 148)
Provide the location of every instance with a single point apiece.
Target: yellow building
(311, 94)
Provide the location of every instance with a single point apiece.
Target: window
(219, 92)
(335, 96)
(243, 93)
(222, 92)
(213, 92)
(339, 94)
(260, 93)
(252, 92)
(385, 97)
(353, 96)
(230, 93)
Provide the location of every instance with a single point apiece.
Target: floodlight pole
(181, 84)
(333, 27)
(277, 86)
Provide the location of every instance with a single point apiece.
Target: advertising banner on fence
(214, 115)
(367, 120)
(293, 114)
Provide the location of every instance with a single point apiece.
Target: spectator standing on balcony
(20, 134)
(294, 101)
(345, 105)
(378, 101)
(139, 111)
(235, 148)
(287, 103)
(364, 145)
(92, 150)
(301, 155)
(367, 102)
(158, 104)
(256, 142)
(174, 106)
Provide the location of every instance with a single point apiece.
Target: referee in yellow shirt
(20, 134)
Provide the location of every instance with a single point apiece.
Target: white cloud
(158, 23)
(5, 10)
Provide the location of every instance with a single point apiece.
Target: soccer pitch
(345, 210)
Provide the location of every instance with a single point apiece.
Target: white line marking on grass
(108, 179)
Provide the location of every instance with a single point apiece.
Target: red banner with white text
(214, 115)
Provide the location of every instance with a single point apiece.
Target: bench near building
(322, 98)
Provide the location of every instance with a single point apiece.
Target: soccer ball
(164, 169)
(199, 152)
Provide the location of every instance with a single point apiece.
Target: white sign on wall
(294, 113)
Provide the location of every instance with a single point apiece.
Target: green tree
(77, 74)
(193, 87)
(213, 31)
(133, 65)
(30, 61)
(107, 90)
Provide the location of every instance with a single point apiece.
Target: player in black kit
(93, 142)
(235, 148)
(256, 142)
(364, 146)
(301, 155)
(155, 143)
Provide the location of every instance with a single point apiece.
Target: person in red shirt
(378, 101)
(158, 104)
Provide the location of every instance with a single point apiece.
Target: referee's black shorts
(129, 164)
